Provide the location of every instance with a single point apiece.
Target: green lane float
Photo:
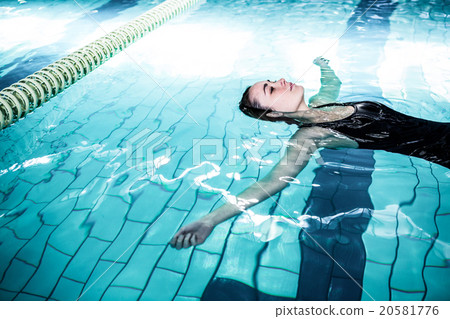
(24, 96)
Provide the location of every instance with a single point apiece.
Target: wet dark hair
(256, 110)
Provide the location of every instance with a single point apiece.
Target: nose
(282, 81)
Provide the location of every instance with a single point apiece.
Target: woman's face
(278, 96)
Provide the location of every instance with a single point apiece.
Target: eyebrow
(264, 88)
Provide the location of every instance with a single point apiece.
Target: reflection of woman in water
(332, 247)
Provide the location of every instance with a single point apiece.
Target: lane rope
(22, 97)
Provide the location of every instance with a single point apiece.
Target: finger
(194, 240)
(182, 231)
(179, 243)
(186, 241)
(174, 239)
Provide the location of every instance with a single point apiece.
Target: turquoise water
(95, 182)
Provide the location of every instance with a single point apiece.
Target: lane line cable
(24, 96)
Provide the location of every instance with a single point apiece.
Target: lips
(285, 83)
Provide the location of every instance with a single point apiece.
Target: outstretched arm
(329, 91)
(301, 146)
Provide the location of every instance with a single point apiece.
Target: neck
(303, 106)
(303, 115)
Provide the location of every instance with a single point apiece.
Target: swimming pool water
(95, 182)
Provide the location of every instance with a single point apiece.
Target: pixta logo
(291, 151)
(148, 150)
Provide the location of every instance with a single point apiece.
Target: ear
(274, 114)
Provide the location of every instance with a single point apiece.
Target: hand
(192, 234)
(321, 61)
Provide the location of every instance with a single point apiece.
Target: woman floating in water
(331, 233)
(324, 123)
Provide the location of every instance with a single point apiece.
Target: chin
(301, 90)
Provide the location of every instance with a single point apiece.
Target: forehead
(257, 90)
